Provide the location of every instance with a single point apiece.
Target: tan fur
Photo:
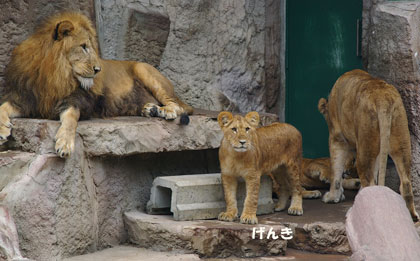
(248, 151)
(366, 116)
(57, 59)
(316, 173)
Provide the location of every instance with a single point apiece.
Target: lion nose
(242, 142)
(96, 69)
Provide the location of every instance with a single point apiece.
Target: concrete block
(191, 197)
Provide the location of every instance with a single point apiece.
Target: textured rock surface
(127, 253)
(207, 238)
(9, 241)
(66, 207)
(121, 136)
(213, 48)
(381, 229)
(18, 19)
(391, 52)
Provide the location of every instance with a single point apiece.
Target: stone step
(129, 253)
(192, 197)
(321, 229)
(206, 238)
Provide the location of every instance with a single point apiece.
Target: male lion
(366, 115)
(57, 74)
(248, 151)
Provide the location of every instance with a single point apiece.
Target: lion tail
(385, 119)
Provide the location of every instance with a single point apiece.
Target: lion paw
(312, 194)
(295, 211)
(331, 198)
(228, 216)
(153, 110)
(167, 113)
(150, 110)
(324, 178)
(64, 145)
(4, 133)
(5, 129)
(249, 219)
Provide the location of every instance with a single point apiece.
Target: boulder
(379, 227)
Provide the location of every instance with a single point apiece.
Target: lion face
(239, 131)
(82, 53)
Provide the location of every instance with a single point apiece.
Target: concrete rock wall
(67, 207)
(391, 51)
(213, 51)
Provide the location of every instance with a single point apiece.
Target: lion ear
(62, 30)
(323, 106)
(224, 118)
(253, 118)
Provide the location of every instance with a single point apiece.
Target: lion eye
(247, 129)
(83, 46)
(234, 130)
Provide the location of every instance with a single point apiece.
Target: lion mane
(39, 68)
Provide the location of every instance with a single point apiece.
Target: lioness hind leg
(401, 155)
(282, 190)
(7, 111)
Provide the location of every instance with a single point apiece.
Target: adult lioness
(248, 151)
(57, 74)
(366, 115)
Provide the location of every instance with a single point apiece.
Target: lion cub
(249, 152)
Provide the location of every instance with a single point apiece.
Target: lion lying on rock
(316, 173)
(57, 74)
(248, 151)
(366, 116)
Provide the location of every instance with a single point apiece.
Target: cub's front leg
(64, 145)
(249, 214)
(230, 185)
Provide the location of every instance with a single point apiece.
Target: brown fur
(316, 173)
(248, 151)
(58, 69)
(366, 115)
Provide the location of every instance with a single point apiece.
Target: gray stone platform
(192, 197)
(321, 229)
(68, 207)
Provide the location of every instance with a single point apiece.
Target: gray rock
(67, 207)
(391, 51)
(207, 238)
(321, 237)
(128, 253)
(211, 48)
(9, 242)
(379, 227)
(122, 136)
